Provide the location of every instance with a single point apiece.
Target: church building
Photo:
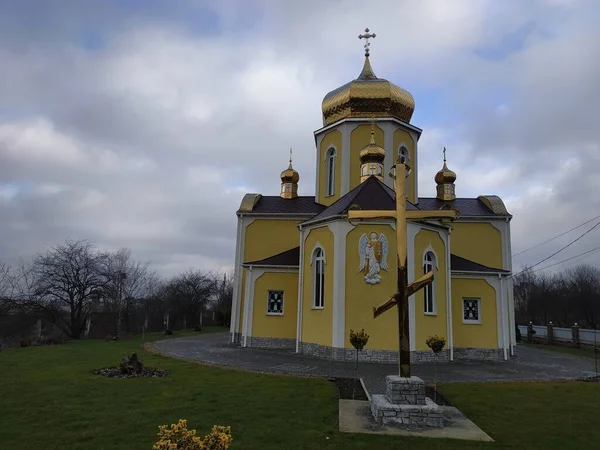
(305, 275)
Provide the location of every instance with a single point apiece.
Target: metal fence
(586, 336)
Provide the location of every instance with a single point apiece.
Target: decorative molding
(243, 223)
(249, 303)
(388, 145)
(449, 327)
(318, 141)
(495, 283)
(340, 230)
(303, 236)
(312, 253)
(430, 249)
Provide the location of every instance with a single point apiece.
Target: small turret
(445, 179)
(289, 181)
(371, 158)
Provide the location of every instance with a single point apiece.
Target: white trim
(494, 282)
(415, 138)
(340, 230)
(396, 152)
(312, 252)
(510, 288)
(505, 332)
(479, 312)
(318, 141)
(303, 236)
(243, 223)
(331, 155)
(235, 304)
(435, 265)
(314, 278)
(410, 127)
(282, 302)
(412, 230)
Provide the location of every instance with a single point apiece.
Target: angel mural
(373, 252)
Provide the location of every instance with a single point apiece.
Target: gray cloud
(148, 135)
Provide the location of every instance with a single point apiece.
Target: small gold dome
(367, 96)
(290, 175)
(372, 152)
(445, 175)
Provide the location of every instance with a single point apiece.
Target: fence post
(575, 335)
(550, 332)
(530, 332)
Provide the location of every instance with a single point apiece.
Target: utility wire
(556, 237)
(568, 259)
(558, 251)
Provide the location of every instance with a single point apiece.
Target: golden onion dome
(367, 96)
(445, 175)
(290, 175)
(372, 152)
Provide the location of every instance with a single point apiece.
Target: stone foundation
(405, 403)
(263, 342)
(370, 356)
(467, 353)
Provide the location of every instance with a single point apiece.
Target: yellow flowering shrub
(178, 437)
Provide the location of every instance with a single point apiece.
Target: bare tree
(188, 294)
(63, 283)
(584, 284)
(224, 298)
(125, 282)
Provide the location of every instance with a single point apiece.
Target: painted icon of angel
(373, 251)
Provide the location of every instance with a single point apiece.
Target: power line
(556, 237)
(560, 250)
(568, 259)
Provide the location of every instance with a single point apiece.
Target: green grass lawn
(49, 399)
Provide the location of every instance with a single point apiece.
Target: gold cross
(404, 290)
(366, 37)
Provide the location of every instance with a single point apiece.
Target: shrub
(178, 437)
(169, 332)
(359, 340)
(436, 343)
(198, 328)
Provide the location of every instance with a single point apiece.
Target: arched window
(429, 291)
(330, 174)
(403, 151)
(318, 278)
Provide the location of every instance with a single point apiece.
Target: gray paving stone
(531, 364)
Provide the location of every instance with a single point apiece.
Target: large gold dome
(368, 96)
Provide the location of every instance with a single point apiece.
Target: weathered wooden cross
(405, 290)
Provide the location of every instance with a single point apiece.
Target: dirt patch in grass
(147, 372)
(350, 389)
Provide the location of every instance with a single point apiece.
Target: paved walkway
(531, 363)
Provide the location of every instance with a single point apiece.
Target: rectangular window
(275, 303)
(471, 310)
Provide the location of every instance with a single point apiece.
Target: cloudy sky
(142, 123)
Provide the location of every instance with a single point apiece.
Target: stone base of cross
(405, 290)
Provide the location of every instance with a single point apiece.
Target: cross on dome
(366, 37)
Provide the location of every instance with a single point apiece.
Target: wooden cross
(405, 290)
(366, 37)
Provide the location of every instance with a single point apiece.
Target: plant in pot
(359, 341)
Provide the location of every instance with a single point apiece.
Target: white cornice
(408, 126)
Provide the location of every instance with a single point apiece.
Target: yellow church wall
(359, 137)
(361, 296)
(484, 335)
(403, 137)
(426, 324)
(331, 139)
(479, 242)
(275, 326)
(267, 237)
(317, 323)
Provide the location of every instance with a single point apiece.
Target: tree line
(69, 282)
(565, 298)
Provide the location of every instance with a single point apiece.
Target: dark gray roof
(465, 206)
(274, 204)
(460, 264)
(287, 258)
(372, 195)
